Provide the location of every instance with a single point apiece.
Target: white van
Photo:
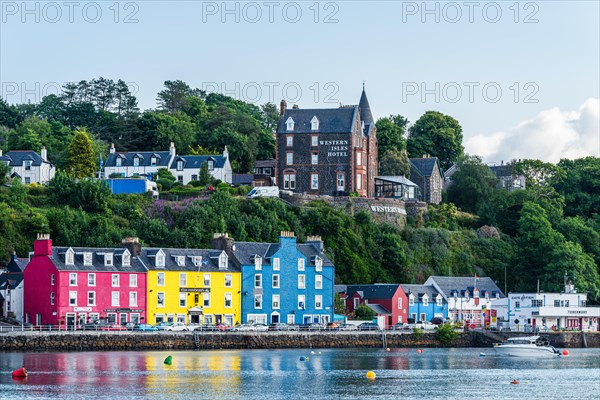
(264, 191)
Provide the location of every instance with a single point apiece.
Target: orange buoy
(419, 351)
(514, 382)
(565, 352)
(19, 373)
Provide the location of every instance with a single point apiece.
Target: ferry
(528, 346)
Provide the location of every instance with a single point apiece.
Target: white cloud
(549, 136)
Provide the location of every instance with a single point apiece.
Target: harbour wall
(98, 341)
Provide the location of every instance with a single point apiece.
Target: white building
(11, 289)
(532, 312)
(469, 299)
(29, 166)
(187, 168)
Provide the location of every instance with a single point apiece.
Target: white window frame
(160, 279)
(72, 279)
(228, 280)
(228, 299)
(289, 124)
(87, 258)
(314, 158)
(359, 181)
(301, 281)
(108, 259)
(133, 280)
(69, 257)
(301, 264)
(182, 279)
(276, 264)
(91, 295)
(289, 158)
(276, 281)
(206, 299)
(258, 301)
(160, 259)
(359, 158)
(72, 298)
(314, 181)
(206, 281)
(52, 280)
(411, 300)
(318, 282)
(318, 264)
(314, 140)
(275, 302)
(258, 280)
(318, 302)
(52, 298)
(257, 263)
(179, 165)
(115, 280)
(181, 261)
(126, 259)
(91, 279)
(115, 299)
(182, 299)
(399, 303)
(159, 303)
(301, 302)
(133, 299)
(314, 123)
(136, 161)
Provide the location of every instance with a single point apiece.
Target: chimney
(43, 245)
(44, 153)
(0, 152)
(295, 107)
(282, 107)
(225, 152)
(316, 241)
(222, 241)
(112, 148)
(133, 245)
(172, 149)
(569, 287)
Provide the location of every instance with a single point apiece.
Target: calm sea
(279, 374)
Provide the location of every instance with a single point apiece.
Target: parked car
(162, 326)
(244, 328)
(113, 327)
(261, 327)
(437, 320)
(332, 326)
(282, 327)
(400, 326)
(129, 325)
(145, 328)
(423, 325)
(348, 327)
(95, 325)
(177, 327)
(369, 326)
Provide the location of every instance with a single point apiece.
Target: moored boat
(528, 346)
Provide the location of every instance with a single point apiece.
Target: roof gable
(331, 120)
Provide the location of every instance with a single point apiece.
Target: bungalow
(11, 289)
(425, 302)
(387, 300)
(28, 166)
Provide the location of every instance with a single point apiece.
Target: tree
(4, 171)
(446, 334)
(364, 313)
(176, 95)
(580, 186)
(539, 177)
(394, 163)
(390, 133)
(9, 115)
(176, 128)
(81, 155)
(339, 305)
(205, 178)
(473, 184)
(437, 135)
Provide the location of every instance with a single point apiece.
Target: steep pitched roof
(15, 158)
(195, 162)
(17, 264)
(58, 259)
(209, 263)
(242, 179)
(162, 158)
(245, 251)
(377, 291)
(420, 290)
(365, 113)
(462, 285)
(397, 179)
(331, 120)
(10, 280)
(265, 163)
(502, 170)
(426, 166)
(380, 310)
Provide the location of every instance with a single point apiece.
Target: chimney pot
(282, 107)
(112, 148)
(133, 245)
(295, 107)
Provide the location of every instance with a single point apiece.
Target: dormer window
(181, 261)
(476, 293)
(411, 300)
(160, 259)
(258, 263)
(108, 259)
(126, 259)
(438, 300)
(318, 264)
(27, 164)
(223, 260)
(425, 301)
(497, 295)
(153, 161)
(314, 123)
(87, 258)
(211, 165)
(197, 260)
(180, 165)
(70, 257)
(118, 162)
(136, 161)
(289, 124)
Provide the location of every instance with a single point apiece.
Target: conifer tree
(81, 155)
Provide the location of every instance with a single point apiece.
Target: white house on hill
(29, 166)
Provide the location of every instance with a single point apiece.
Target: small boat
(527, 346)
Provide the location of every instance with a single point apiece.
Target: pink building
(72, 286)
(387, 300)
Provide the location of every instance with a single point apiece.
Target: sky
(521, 77)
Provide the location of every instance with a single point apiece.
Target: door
(274, 318)
(70, 320)
(218, 319)
(112, 318)
(306, 320)
(81, 318)
(195, 319)
(290, 319)
(122, 319)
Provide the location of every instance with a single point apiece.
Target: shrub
(418, 332)
(364, 313)
(446, 334)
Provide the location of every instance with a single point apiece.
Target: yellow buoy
(388, 349)
(371, 375)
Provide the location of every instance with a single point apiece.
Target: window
(160, 259)
(27, 180)
(179, 165)
(69, 257)
(301, 302)
(276, 264)
(197, 260)
(211, 165)
(115, 299)
(132, 280)
(258, 301)
(227, 300)
(314, 123)
(359, 158)
(536, 303)
(72, 279)
(91, 299)
(289, 181)
(356, 302)
(27, 165)
(438, 301)
(314, 181)
(289, 124)
(115, 280)
(133, 299)
(183, 279)
(91, 279)
(182, 299)
(206, 299)
(52, 297)
(223, 260)
(341, 184)
(52, 279)
(314, 158)
(275, 282)
(301, 264)
(87, 258)
(228, 280)
(319, 302)
(181, 261)
(358, 181)
(289, 141)
(314, 140)
(180, 178)
(206, 280)
(136, 162)
(72, 298)
(318, 264)
(194, 177)
(275, 302)
(411, 300)
(517, 304)
(289, 158)
(301, 281)
(318, 281)
(108, 259)
(119, 162)
(556, 303)
(126, 259)
(160, 299)
(425, 301)
(258, 280)
(160, 279)
(399, 303)
(257, 263)
(153, 161)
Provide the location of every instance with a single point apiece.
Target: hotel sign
(337, 148)
(82, 309)
(194, 290)
(123, 310)
(388, 209)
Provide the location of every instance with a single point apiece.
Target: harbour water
(279, 374)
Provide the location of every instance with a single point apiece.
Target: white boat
(527, 346)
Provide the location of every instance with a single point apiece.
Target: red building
(387, 300)
(72, 286)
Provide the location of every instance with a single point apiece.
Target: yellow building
(192, 286)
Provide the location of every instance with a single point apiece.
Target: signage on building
(388, 209)
(122, 310)
(194, 290)
(337, 148)
(82, 309)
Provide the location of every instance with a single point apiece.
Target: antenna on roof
(363, 85)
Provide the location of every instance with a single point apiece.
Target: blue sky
(514, 74)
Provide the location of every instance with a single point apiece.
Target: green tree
(339, 305)
(394, 163)
(9, 115)
(204, 177)
(473, 184)
(176, 128)
(539, 177)
(81, 155)
(176, 95)
(580, 186)
(391, 132)
(4, 171)
(438, 135)
(446, 334)
(364, 313)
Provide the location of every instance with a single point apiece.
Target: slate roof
(162, 158)
(17, 264)
(365, 113)
(425, 166)
(448, 285)
(380, 310)
(331, 120)
(195, 162)
(377, 291)
(11, 280)
(15, 158)
(242, 179)
(502, 170)
(265, 163)
(245, 251)
(420, 290)
(210, 260)
(58, 258)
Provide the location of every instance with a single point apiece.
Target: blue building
(425, 302)
(286, 282)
